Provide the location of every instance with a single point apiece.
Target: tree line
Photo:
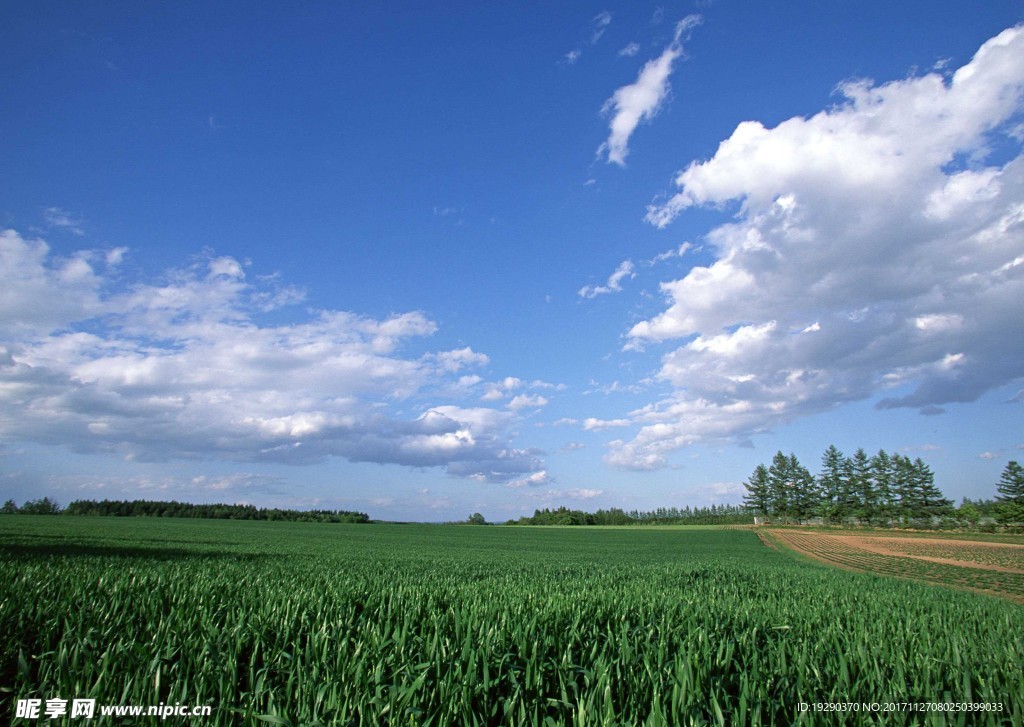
(154, 508)
(713, 515)
(882, 489)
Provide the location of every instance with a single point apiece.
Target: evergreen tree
(882, 476)
(905, 488)
(1010, 509)
(758, 497)
(833, 482)
(780, 487)
(862, 486)
(806, 496)
(933, 502)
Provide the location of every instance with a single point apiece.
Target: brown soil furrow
(874, 546)
(850, 552)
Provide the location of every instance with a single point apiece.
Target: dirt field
(971, 554)
(996, 568)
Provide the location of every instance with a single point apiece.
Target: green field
(297, 623)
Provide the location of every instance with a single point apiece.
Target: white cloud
(874, 252)
(626, 269)
(592, 424)
(670, 254)
(500, 389)
(185, 369)
(40, 292)
(642, 99)
(461, 358)
(536, 479)
(630, 50)
(526, 401)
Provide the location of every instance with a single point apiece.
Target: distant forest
(152, 508)
(714, 515)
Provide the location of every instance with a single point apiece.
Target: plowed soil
(995, 568)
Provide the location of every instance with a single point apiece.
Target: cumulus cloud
(877, 250)
(185, 369)
(527, 401)
(40, 291)
(625, 270)
(642, 99)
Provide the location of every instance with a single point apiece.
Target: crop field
(973, 554)
(990, 567)
(306, 624)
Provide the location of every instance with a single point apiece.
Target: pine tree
(905, 488)
(832, 482)
(882, 478)
(806, 496)
(1010, 509)
(779, 486)
(863, 487)
(758, 494)
(933, 502)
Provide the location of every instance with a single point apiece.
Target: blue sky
(425, 260)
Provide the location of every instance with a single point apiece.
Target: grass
(296, 623)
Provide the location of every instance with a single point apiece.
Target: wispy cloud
(600, 24)
(58, 218)
(625, 270)
(670, 254)
(630, 50)
(642, 99)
